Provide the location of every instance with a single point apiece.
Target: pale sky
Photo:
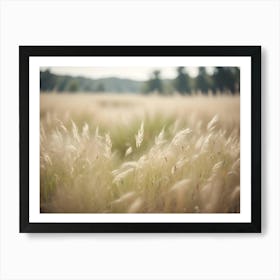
(135, 73)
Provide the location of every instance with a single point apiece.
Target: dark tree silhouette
(202, 81)
(182, 81)
(227, 79)
(155, 84)
(236, 78)
(47, 81)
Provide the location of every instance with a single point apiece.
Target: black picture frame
(254, 52)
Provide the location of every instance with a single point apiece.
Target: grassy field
(139, 154)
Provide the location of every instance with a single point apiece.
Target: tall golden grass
(139, 154)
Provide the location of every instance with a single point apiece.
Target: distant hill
(65, 83)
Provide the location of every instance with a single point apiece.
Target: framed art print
(140, 138)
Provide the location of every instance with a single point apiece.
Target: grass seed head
(139, 136)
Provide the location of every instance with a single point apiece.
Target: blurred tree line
(221, 79)
(50, 82)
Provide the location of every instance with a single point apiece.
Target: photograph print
(142, 142)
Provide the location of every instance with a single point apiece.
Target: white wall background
(139, 256)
